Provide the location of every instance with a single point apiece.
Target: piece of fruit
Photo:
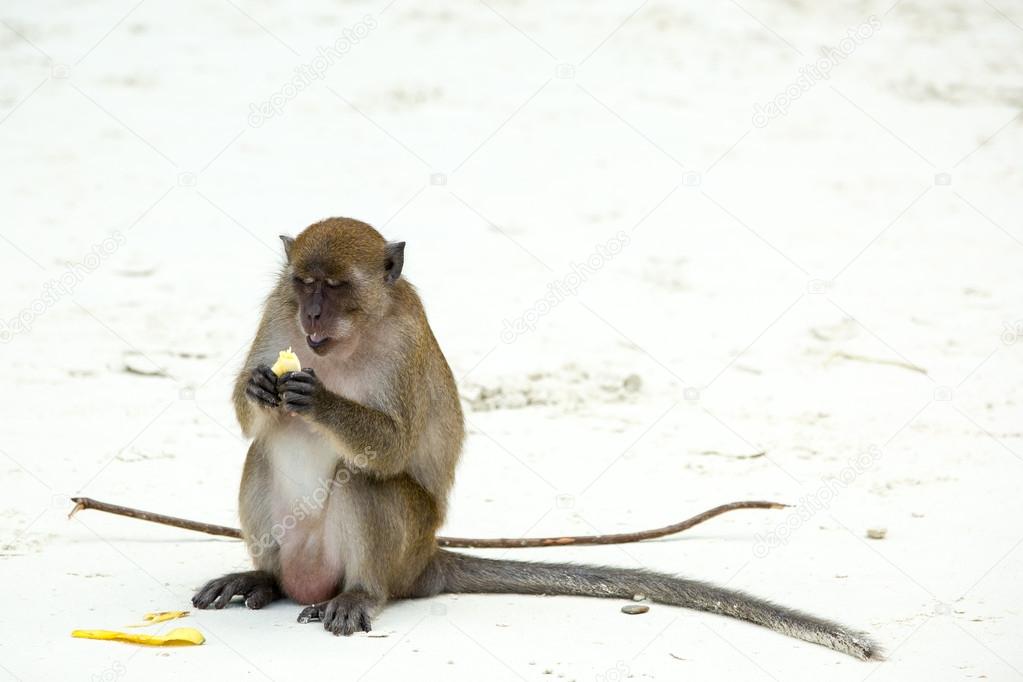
(286, 362)
(159, 617)
(175, 637)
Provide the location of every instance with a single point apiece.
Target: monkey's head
(342, 273)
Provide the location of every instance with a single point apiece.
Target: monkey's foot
(258, 588)
(345, 614)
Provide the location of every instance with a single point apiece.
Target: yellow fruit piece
(176, 637)
(286, 362)
(159, 617)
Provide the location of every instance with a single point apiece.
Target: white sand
(767, 263)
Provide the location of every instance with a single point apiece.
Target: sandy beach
(676, 253)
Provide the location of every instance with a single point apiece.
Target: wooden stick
(89, 503)
(611, 539)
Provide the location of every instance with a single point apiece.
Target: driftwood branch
(611, 539)
(209, 528)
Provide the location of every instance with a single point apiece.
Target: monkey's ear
(395, 261)
(288, 243)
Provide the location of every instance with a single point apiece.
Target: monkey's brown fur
(352, 459)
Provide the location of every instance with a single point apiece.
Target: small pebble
(639, 597)
(635, 609)
(877, 533)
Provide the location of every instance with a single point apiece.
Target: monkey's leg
(345, 614)
(257, 588)
(392, 554)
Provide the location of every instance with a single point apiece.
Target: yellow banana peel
(159, 617)
(175, 637)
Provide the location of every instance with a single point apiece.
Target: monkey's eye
(303, 280)
(336, 283)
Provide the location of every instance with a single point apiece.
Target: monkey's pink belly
(308, 573)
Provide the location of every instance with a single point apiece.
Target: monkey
(352, 458)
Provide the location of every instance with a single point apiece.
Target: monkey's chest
(306, 509)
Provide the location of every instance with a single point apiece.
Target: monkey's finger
(261, 395)
(265, 378)
(256, 389)
(292, 400)
(297, 387)
(305, 376)
(364, 623)
(263, 383)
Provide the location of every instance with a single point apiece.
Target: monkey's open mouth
(317, 341)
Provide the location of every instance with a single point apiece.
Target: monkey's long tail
(463, 573)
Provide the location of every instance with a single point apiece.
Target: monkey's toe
(256, 587)
(347, 620)
(209, 593)
(345, 614)
(259, 597)
(312, 613)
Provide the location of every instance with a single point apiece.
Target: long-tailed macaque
(352, 458)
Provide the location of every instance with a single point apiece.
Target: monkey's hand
(262, 388)
(300, 391)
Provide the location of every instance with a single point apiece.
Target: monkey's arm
(375, 441)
